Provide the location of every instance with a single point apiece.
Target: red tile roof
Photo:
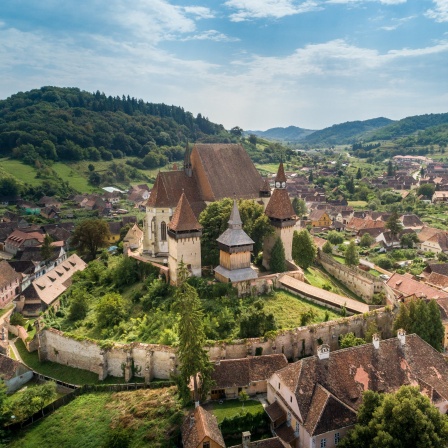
(279, 205)
(198, 425)
(183, 217)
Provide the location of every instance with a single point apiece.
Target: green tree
(4, 408)
(350, 340)
(9, 187)
(426, 190)
(390, 169)
(350, 185)
(311, 177)
(90, 235)
(335, 237)
(304, 250)
(423, 318)
(359, 174)
(327, 248)
(46, 249)
(299, 206)
(110, 310)
(408, 240)
(256, 322)
(278, 260)
(351, 255)
(394, 224)
(243, 397)
(405, 419)
(79, 304)
(194, 361)
(366, 240)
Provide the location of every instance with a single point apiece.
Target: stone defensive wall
(355, 279)
(150, 361)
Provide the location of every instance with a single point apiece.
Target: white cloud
(211, 35)
(440, 12)
(396, 23)
(250, 9)
(383, 2)
(199, 11)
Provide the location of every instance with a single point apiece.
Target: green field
(75, 179)
(288, 310)
(144, 417)
(24, 173)
(231, 408)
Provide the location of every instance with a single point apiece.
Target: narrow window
(323, 443)
(336, 438)
(163, 231)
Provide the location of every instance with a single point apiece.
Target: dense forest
(55, 123)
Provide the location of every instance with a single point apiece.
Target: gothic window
(153, 223)
(163, 231)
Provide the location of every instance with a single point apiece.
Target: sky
(256, 64)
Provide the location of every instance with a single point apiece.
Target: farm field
(24, 173)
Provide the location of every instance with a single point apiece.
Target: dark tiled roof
(279, 206)
(229, 171)
(281, 176)
(275, 411)
(438, 268)
(115, 227)
(35, 254)
(7, 274)
(198, 425)
(347, 373)
(241, 372)
(183, 217)
(22, 266)
(411, 220)
(8, 367)
(286, 433)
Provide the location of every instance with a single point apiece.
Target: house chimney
(323, 351)
(246, 439)
(376, 340)
(401, 335)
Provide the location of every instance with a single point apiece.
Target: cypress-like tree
(436, 328)
(193, 358)
(359, 174)
(278, 260)
(46, 249)
(351, 255)
(304, 250)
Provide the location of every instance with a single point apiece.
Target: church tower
(184, 240)
(235, 247)
(281, 216)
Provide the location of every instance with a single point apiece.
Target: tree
(236, 131)
(335, 237)
(304, 250)
(350, 185)
(366, 240)
(350, 340)
(394, 224)
(426, 190)
(4, 409)
(79, 304)
(408, 239)
(90, 235)
(390, 169)
(110, 310)
(256, 321)
(243, 397)
(311, 177)
(299, 206)
(47, 250)
(327, 248)
(9, 187)
(253, 139)
(359, 174)
(405, 419)
(423, 318)
(194, 362)
(351, 255)
(278, 260)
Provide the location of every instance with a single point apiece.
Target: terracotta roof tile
(9, 367)
(198, 425)
(7, 274)
(406, 285)
(183, 217)
(279, 205)
(281, 176)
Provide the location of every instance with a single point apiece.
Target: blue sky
(252, 63)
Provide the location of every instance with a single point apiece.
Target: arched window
(163, 231)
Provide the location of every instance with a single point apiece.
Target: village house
(20, 239)
(14, 373)
(43, 293)
(437, 243)
(439, 197)
(231, 376)
(405, 285)
(200, 430)
(9, 283)
(319, 218)
(313, 402)
(133, 240)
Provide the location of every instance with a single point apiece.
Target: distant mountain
(289, 134)
(407, 126)
(345, 133)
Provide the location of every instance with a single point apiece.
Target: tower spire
(234, 221)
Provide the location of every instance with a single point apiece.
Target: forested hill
(289, 134)
(407, 126)
(71, 124)
(345, 133)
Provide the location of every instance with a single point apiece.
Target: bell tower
(281, 216)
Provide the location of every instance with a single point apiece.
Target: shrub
(17, 319)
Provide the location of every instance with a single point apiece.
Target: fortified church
(212, 172)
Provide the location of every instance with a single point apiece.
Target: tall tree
(359, 174)
(405, 419)
(304, 250)
(394, 224)
(278, 260)
(299, 206)
(46, 250)
(390, 169)
(194, 361)
(90, 235)
(351, 255)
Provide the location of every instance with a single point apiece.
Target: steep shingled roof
(183, 217)
(234, 235)
(228, 171)
(7, 274)
(199, 425)
(279, 205)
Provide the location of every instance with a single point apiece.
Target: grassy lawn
(75, 179)
(17, 169)
(230, 408)
(6, 309)
(288, 309)
(149, 418)
(357, 203)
